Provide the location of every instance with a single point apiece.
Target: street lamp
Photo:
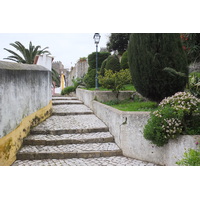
(96, 41)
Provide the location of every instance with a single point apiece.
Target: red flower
(184, 48)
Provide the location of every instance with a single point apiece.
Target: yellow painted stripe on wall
(11, 143)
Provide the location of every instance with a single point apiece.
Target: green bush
(77, 81)
(179, 114)
(124, 60)
(158, 64)
(67, 90)
(89, 78)
(115, 80)
(112, 63)
(190, 158)
(162, 126)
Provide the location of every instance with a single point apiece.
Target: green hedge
(89, 78)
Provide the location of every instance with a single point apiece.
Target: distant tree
(119, 42)
(27, 55)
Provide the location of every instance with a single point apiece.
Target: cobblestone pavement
(103, 161)
(70, 148)
(68, 109)
(71, 124)
(71, 136)
(70, 139)
(57, 102)
(64, 98)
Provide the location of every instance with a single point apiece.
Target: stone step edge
(67, 141)
(63, 98)
(83, 154)
(72, 113)
(67, 103)
(69, 131)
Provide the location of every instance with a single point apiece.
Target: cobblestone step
(77, 109)
(92, 150)
(101, 161)
(98, 137)
(60, 102)
(70, 124)
(64, 98)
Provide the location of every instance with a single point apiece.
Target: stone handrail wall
(25, 96)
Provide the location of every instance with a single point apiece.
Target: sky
(64, 47)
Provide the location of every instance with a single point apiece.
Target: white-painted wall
(45, 61)
(24, 89)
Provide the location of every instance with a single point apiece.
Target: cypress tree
(158, 64)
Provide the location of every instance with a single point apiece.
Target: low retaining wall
(88, 96)
(25, 101)
(127, 129)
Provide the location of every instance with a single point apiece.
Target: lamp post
(96, 41)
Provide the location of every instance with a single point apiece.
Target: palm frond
(43, 51)
(35, 51)
(19, 46)
(17, 56)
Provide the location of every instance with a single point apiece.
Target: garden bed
(128, 87)
(130, 105)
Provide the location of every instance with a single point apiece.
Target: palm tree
(28, 55)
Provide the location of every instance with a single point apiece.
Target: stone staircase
(73, 135)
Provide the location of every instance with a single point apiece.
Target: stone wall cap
(19, 66)
(102, 91)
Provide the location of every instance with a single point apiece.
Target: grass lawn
(128, 87)
(129, 105)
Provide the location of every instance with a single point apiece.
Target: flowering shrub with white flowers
(182, 101)
(176, 115)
